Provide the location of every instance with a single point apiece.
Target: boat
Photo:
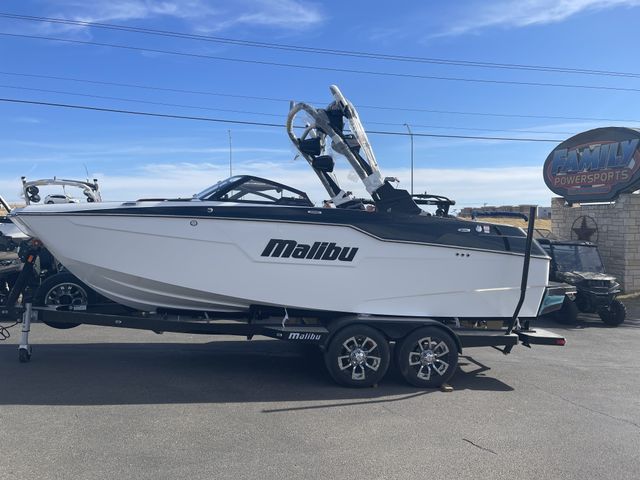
(31, 195)
(249, 242)
(251, 256)
(12, 238)
(31, 190)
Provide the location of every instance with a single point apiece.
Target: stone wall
(541, 212)
(618, 234)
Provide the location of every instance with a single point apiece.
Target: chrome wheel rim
(359, 355)
(429, 358)
(66, 294)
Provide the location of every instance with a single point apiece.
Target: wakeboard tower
(329, 124)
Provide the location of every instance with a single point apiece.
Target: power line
(326, 69)
(475, 129)
(272, 99)
(135, 112)
(492, 114)
(262, 124)
(318, 50)
(134, 100)
(145, 87)
(197, 107)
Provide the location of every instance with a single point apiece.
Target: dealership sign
(595, 166)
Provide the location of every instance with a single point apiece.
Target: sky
(141, 156)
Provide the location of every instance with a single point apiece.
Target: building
(541, 212)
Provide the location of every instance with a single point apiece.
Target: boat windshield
(577, 258)
(210, 192)
(254, 190)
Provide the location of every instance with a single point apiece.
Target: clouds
(286, 14)
(185, 179)
(469, 187)
(170, 179)
(524, 13)
(26, 120)
(180, 167)
(198, 15)
(123, 10)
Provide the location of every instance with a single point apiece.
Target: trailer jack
(24, 350)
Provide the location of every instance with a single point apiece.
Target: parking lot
(112, 403)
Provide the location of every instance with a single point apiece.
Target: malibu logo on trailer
(597, 165)
(304, 336)
(329, 251)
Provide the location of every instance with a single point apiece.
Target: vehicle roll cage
(440, 201)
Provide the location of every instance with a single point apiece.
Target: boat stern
(554, 296)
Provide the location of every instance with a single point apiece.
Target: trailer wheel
(427, 357)
(358, 356)
(614, 314)
(568, 313)
(62, 290)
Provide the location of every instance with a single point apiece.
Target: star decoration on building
(584, 232)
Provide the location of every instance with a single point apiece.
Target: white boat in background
(249, 242)
(32, 195)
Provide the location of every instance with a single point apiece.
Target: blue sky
(140, 157)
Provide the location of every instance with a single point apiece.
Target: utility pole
(230, 156)
(411, 137)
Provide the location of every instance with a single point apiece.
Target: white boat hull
(216, 264)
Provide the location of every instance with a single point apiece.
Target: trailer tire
(615, 313)
(62, 289)
(357, 356)
(568, 313)
(427, 357)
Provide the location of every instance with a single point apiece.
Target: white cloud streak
(198, 15)
(524, 13)
(283, 14)
(27, 120)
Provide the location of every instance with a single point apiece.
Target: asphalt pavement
(98, 403)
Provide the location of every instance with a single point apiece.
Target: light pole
(230, 156)
(411, 137)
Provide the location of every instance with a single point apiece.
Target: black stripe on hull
(422, 229)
